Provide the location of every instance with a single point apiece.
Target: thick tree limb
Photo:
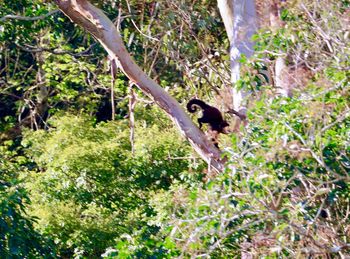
(101, 27)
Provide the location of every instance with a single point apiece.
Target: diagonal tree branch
(101, 27)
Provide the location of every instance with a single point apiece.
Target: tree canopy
(99, 158)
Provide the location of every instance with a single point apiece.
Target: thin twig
(314, 155)
(136, 27)
(26, 18)
(34, 49)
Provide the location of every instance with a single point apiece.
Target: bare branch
(26, 18)
(34, 49)
(314, 155)
(137, 28)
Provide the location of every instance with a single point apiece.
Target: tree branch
(101, 27)
(26, 18)
(33, 49)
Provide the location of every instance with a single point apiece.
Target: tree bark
(239, 17)
(101, 27)
(281, 69)
(42, 98)
(38, 106)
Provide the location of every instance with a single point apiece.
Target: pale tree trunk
(101, 27)
(38, 107)
(42, 97)
(239, 17)
(281, 69)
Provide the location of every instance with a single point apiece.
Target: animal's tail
(191, 105)
(240, 115)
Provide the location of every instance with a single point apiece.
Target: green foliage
(14, 30)
(18, 238)
(87, 188)
(285, 192)
(286, 189)
(287, 176)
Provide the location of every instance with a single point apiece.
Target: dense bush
(87, 188)
(18, 238)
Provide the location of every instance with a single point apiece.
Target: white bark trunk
(281, 69)
(281, 77)
(98, 24)
(240, 21)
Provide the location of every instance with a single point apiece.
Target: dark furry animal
(212, 116)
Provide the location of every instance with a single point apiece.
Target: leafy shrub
(18, 238)
(87, 187)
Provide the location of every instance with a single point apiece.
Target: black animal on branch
(212, 116)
